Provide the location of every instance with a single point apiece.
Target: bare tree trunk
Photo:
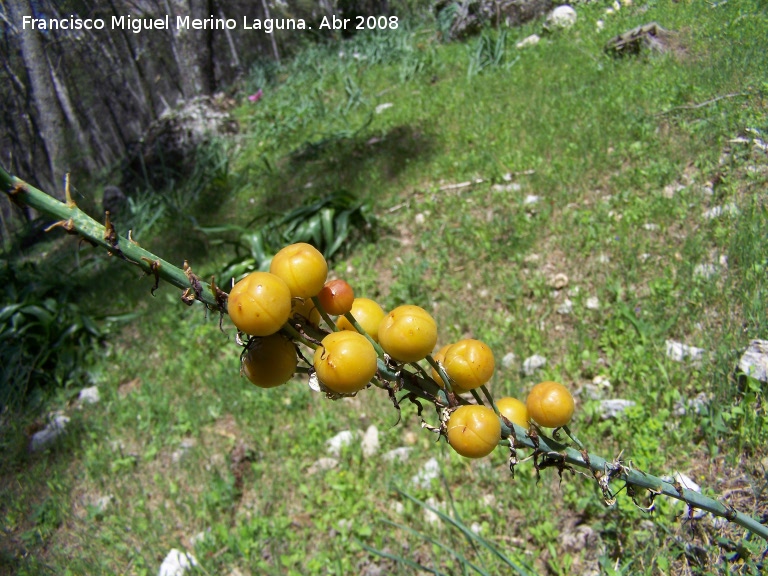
(15, 80)
(15, 106)
(275, 53)
(62, 94)
(232, 47)
(21, 136)
(193, 49)
(137, 69)
(116, 125)
(50, 117)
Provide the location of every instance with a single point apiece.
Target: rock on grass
(754, 361)
(533, 363)
(177, 563)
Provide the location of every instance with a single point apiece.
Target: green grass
(598, 140)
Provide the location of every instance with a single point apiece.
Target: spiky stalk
(548, 452)
(73, 220)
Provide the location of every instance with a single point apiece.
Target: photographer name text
(267, 25)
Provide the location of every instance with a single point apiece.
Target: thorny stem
(617, 470)
(74, 220)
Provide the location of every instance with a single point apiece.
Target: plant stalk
(75, 221)
(617, 470)
(554, 453)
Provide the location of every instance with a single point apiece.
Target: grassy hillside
(449, 144)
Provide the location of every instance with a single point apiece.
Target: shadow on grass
(356, 162)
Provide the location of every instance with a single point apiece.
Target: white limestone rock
(754, 361)
(717, 211)
(177, 563)
(89, 395)
(561, 18)
(370, 442)
(400, 454)
(335, 445)
(322, 465)
(45, 437)
(508, 361)
(679, 352)
(533, 363)
(566, 307)
(428, 472)
(558, 281)
(614, 407)
(528, 41)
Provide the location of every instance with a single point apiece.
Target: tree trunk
(138, 71)
(275, 52)
(62, 94)
(232, 47)
(50, 117)
(193, 49)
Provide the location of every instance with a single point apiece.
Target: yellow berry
(550, 404)
(345, 362)
(408, 333)
(305, 308)
(367, 313)
(513, 410)
(259, 304)
(469, 363)
(440, 357)
(270, 361)
(474, 431)
(302, 267)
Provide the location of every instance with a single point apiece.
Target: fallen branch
(702, 104)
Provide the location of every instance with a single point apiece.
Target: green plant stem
(361, 330)
(441, 371)
(620, 471)
(328, 320)
(419, 369)
(605, 472)
(488, 397)
(297, 336)
(477, 398)
(79, 222)
(573, 437)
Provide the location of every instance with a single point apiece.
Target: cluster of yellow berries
(347, 359)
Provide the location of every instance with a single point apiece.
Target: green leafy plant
(180, 193)
(488, 51)
(327, 223)
(445, 19)
(44, 335)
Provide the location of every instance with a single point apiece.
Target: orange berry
(336, 297)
